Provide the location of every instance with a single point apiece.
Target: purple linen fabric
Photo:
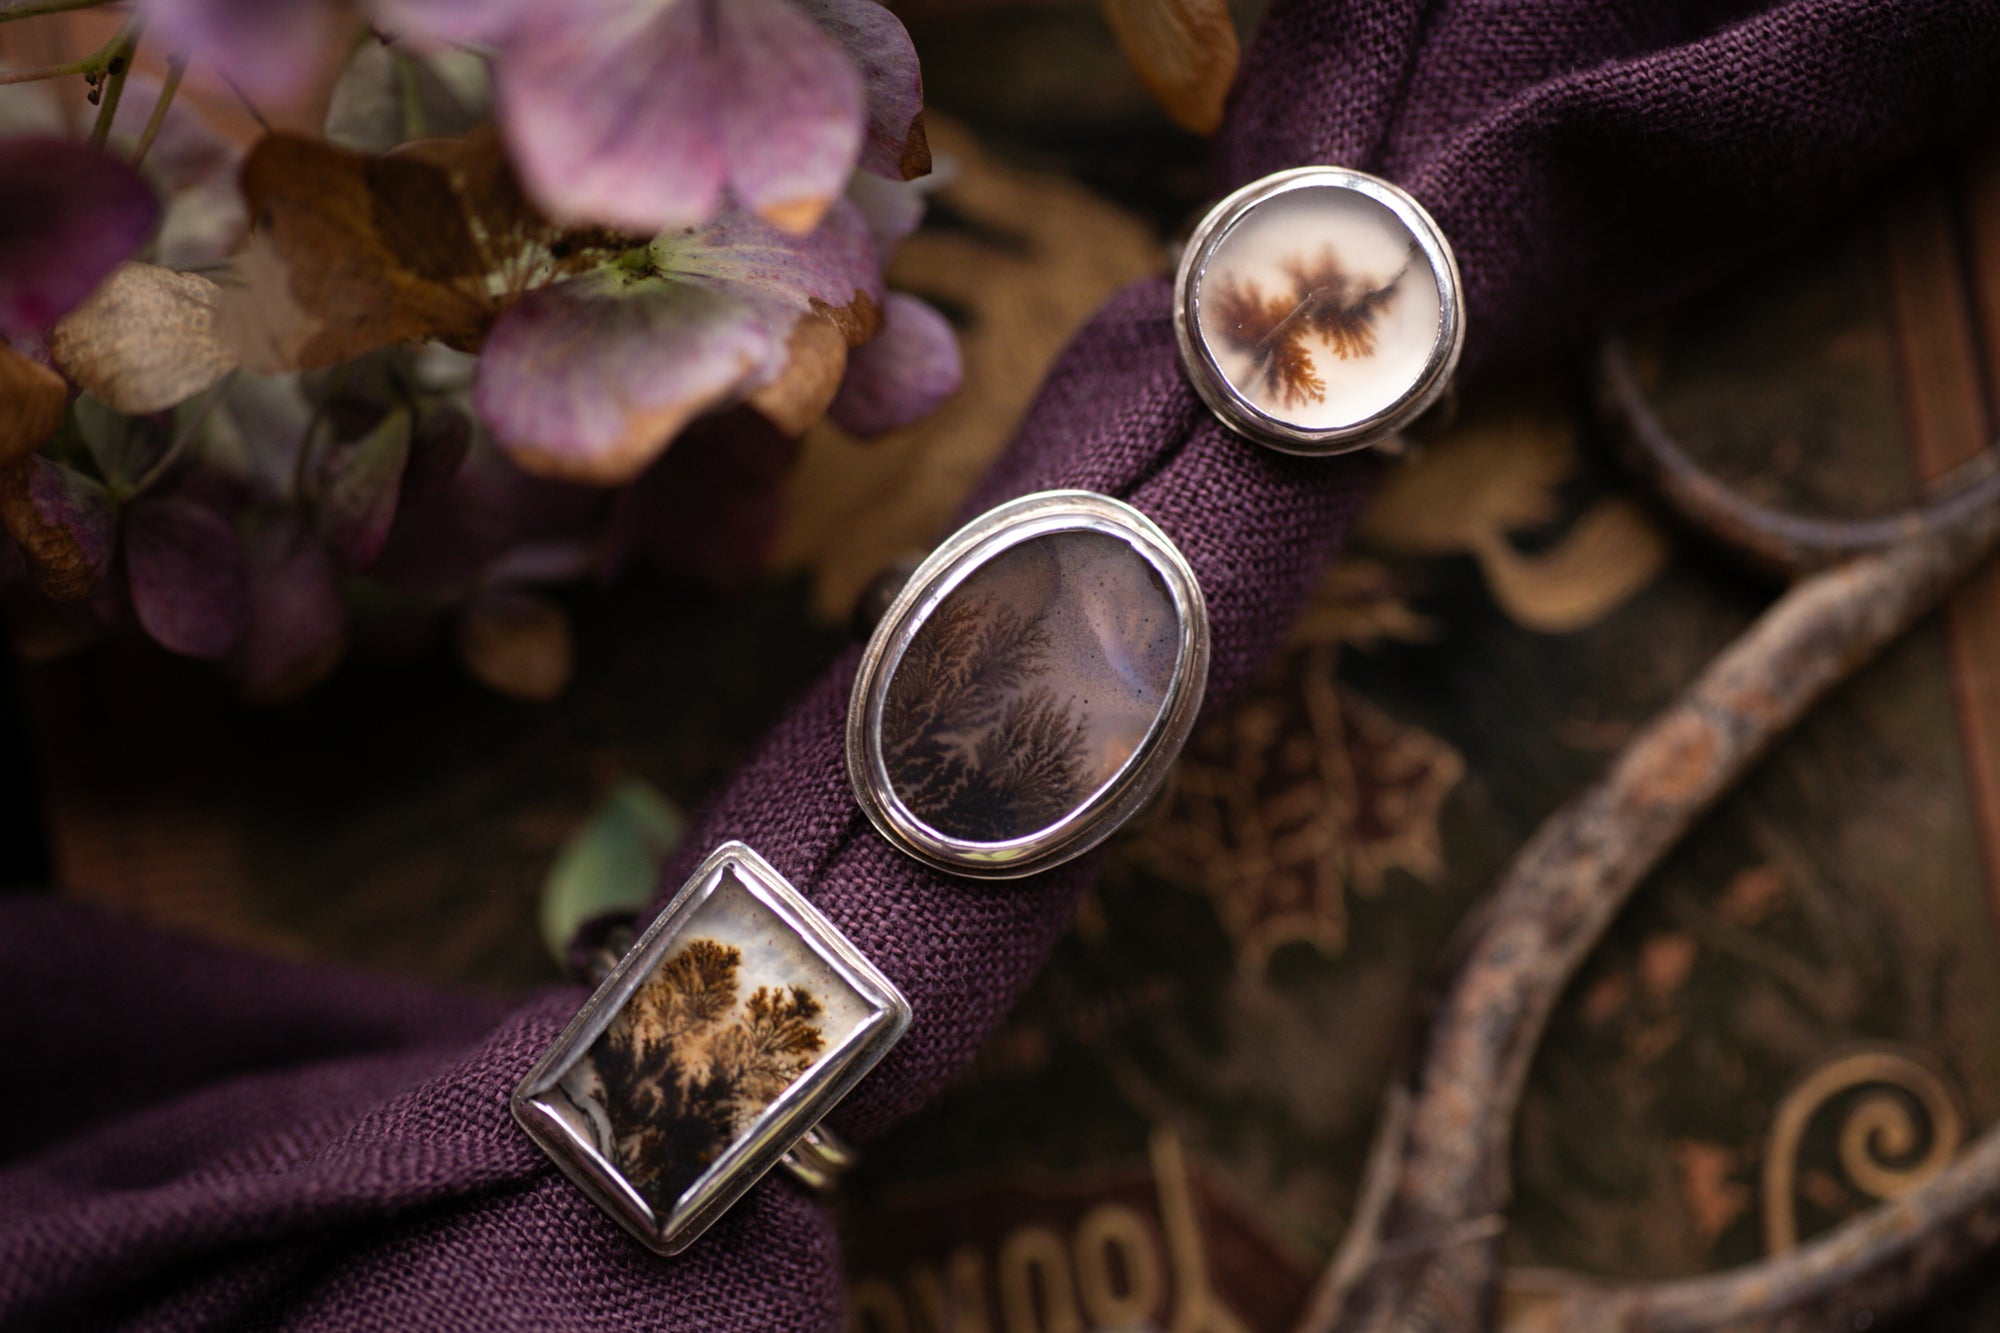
(244, 1142)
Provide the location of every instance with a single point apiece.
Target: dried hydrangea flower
(649, 116)
(642, 115)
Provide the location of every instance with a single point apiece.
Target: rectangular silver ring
(738, 1020)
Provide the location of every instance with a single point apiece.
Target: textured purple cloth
(217, 1140)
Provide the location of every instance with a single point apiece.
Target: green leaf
(610, 864)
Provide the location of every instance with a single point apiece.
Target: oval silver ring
(1318, 310)
(1030, 686)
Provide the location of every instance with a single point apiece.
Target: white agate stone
(1318, 310)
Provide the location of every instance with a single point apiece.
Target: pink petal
(268, 48)
(614, 113)
(185, 567)
(68, 216)
(588, 379)
(904, 374)
(836, 265)
(792, 111)
(881, 48)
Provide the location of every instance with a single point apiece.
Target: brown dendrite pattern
(686, 1068)
(1320, 303)
(980, 751)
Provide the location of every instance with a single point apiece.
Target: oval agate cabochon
(1030, 686)
(1317, 310)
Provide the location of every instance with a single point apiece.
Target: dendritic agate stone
(736, 1010)
(1030, 686)
(1323, 309)
(1319, 308)
(729, 1028)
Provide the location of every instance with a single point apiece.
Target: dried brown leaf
(1185, 52)
(32, 399)
(145, 340)
(349, 252)
(1496, 473)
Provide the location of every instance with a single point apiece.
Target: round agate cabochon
(1318, 310)
(1029, 687)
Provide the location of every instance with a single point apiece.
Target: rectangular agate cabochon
(730, 1027)
(1030, 686)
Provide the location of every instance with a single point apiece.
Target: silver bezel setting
(1243, 416)
(961, 554)
(789, 1117)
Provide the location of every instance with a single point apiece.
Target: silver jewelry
(710, 1053)
(819, 1159)
(1029, 687)
(1318, 310)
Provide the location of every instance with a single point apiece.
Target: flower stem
(94, 63)
(124, 45)
(176, 66)
(29, 9)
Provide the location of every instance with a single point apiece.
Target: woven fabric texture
(204, 1139)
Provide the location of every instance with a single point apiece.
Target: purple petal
(587, 380)
(68, 216)
(360, 482)
(783, 275)
(880, 46)
(296, 628)
(64, 524)
(792, 111)
(268, 48)
(612, 113)
(904, 374)
(186, 572)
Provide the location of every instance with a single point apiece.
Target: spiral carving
(1885, 1149)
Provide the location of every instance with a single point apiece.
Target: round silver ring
(1390, 397)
